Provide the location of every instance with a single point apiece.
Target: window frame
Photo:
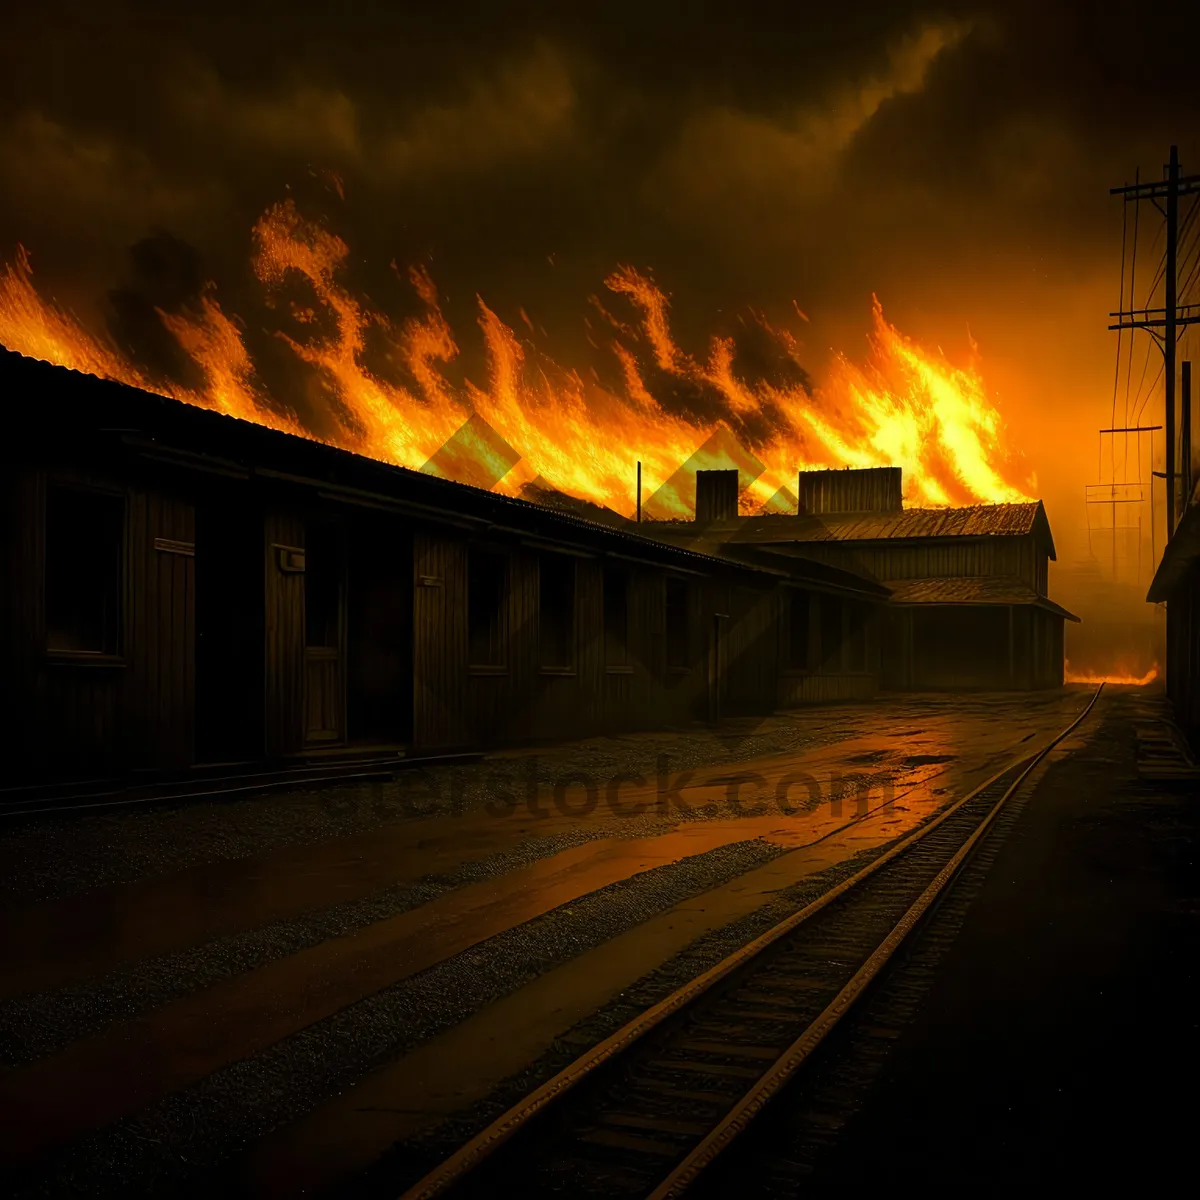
(569, 565)
(502, 560)
(831, 663)
(333, 534)
(616, 664)
(116, 656)
(682, 589)
(855, 659)
(799, 663)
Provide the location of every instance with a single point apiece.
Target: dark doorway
(229, 629)
(324, 633)
(379, 636)
(960, 646)
(716, 668)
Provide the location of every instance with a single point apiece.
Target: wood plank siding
(234, 594)
(1019, 557)
(72, 710)
(283, 542)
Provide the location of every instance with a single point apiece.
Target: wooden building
(1177, 583)
(184, 588)
(969, 604)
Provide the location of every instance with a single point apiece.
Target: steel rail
(472, 1154)
(740, 1116)
(217, 787)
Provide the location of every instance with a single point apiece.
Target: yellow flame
(565, 429)
(1092, 677)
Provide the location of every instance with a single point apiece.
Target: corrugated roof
(979, 520)
(977, 589)
(1183, 549)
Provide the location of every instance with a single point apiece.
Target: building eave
(1181, 553)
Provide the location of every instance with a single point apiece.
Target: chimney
(852, 490)
(716, 496)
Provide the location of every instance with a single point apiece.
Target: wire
(1150, 391)
(1142, 381)
(1117, 370)
(1194, 247)
(1184, 229)
(1137, 208)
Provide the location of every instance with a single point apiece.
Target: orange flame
(564, 431)
(1091, 677)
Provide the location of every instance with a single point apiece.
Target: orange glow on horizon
(570, 430)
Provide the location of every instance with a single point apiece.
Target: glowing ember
(1090, 677)
(536, 422)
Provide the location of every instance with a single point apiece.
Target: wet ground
(268, 994)
(1057, 1033)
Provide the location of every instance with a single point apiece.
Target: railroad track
(91, 796)
(643, 1113)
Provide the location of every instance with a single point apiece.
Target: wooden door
(325, 635)
(716, 666)
(323, 694)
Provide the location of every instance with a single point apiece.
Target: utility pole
(1170, 336)
(1172, 317)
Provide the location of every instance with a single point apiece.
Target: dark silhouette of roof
(979, 520)
(62, 408)
(977, 589)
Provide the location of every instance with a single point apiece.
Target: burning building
(186, 587)
(183, 587)
(969, 604)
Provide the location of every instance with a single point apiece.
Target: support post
(639, 491)
(1171, 282)
(1185, 434)
(1153, 517)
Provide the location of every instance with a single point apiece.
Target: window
(799, 610)
(556, 611)
(678, 640)
(856, 637)
(85, 569)
(830, 626)
(487, 596)
(616, 618)
(323, 587)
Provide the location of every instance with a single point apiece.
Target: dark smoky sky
(955, 159)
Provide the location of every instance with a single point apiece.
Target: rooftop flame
(904, 406)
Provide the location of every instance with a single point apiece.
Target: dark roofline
(1010, 602)
(148, 424)
(1182, 551)
(742, 528)
(153, 426)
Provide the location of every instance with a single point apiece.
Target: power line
(1173, 317)
(1117, 372)
(1132, 282)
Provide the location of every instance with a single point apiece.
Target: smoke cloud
(953, 159)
